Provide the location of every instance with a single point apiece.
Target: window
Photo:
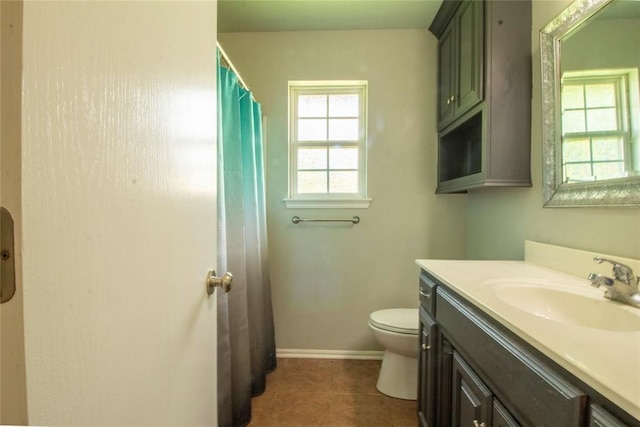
(595, 126)
(327, 144)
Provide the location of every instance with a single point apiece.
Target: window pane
(343, 182)
(601, 95)
(602, 120)
(312, 158)
(343, 129)
(572, 97)
(573, 121)
(312, 130)
(312, 182)
(608, 149)
(326, 140)
(312, 106)
(343, 105)
(608, 169)
(343, 158)
(578, 172)
(576, 150)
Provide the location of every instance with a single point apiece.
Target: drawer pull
(423, 294)
(425, 347)
(477, 424)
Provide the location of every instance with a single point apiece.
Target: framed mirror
(590, 57)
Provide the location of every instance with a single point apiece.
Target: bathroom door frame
(13, 400)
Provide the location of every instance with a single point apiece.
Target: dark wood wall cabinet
(484, 94)
(473, 372)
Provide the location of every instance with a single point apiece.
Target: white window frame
(620, 78)
(357, 200)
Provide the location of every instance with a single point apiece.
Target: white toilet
(396, 330)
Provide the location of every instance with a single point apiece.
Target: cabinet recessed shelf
(460, 151)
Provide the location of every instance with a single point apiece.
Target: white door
(119, 212)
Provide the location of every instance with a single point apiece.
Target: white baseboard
(328, 354)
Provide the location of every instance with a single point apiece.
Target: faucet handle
(621, 272)
(597, 280)
(593, 278)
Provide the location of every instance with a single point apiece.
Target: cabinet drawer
(427, 292)
(524, 383)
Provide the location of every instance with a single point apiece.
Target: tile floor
(328, 393)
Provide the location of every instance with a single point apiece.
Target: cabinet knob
(425, 347)
(477, 424)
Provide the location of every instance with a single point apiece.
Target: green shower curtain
(246, 344)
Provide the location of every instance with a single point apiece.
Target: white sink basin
(589, 310)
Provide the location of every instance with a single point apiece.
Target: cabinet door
(502, 417)
(427, 371)
(445, 378)
(601, 418)
(471, 400)
(446, 75)
(469, 64)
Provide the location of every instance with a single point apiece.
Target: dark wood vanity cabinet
(475, 372)
(484, 93)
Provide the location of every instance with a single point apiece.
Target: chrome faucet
(624, 285)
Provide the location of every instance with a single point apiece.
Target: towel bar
(296, 220)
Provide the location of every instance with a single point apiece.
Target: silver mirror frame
(614, 192)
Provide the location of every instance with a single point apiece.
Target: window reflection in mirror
(600, 96)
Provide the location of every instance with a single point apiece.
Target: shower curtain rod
(229, 64)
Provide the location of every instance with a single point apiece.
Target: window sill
(327, 204)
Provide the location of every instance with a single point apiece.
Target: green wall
(499, 220)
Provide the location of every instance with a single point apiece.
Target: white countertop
(608, 361)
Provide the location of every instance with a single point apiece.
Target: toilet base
(398, 376)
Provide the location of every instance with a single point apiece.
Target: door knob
(213, 281)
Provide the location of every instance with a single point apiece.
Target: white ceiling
(310, 15)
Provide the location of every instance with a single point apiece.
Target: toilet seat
(399, 320)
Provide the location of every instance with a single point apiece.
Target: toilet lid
(402, 320)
